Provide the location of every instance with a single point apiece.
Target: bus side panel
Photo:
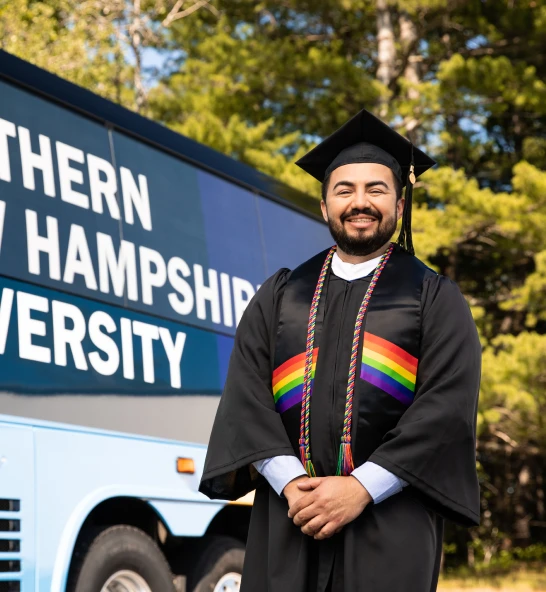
(77, 470)
(17, 503)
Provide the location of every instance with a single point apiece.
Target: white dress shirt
(280, 470)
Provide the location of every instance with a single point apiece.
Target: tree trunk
(386, 50)
(120, 63)
(409, 39)
(135, 35)
(522, 531)
(540, 496)
(470, 556)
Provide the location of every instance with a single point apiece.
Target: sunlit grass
(521, 581)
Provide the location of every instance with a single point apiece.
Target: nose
(360, 198)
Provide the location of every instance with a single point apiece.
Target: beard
(362, 242)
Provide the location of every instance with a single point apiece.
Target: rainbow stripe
(288, 381)
(389, 367)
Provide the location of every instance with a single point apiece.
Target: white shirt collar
(353, 271)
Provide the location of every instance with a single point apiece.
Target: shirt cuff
(379, 482)
(280, 470)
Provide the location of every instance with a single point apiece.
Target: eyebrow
(369, 185)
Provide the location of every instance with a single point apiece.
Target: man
(351, 397)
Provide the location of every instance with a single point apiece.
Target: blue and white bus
(127, 255)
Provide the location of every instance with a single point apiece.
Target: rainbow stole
(389, 368)
(288, 381)
(389, 341)
(384, 364)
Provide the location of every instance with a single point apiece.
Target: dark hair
(325, 184)
(397, 187)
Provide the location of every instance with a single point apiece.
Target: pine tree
(264, 81)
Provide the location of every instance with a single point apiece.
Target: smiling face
(361, 208)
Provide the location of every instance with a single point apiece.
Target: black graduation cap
(365, 138)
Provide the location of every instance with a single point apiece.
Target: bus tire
(220, 556)
(120, 552)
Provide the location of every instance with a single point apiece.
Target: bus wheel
(121, 558)
(219, 567)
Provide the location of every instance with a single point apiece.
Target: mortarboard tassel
(305, 456)
(405, 239)
(345, 463)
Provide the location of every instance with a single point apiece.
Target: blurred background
(264, 81)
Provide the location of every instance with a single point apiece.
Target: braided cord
(345, 464)
(305, 447)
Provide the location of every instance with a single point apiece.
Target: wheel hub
(231, 582)
(127, 581)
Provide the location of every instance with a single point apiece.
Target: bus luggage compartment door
(17, 525)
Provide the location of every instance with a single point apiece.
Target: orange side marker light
(185, 465)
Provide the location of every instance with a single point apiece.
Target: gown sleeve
(433, 446)
(247, 428)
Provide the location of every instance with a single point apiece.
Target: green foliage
(249, 144)
(503, 561)
(530, 297)
(73, 39)
(264, 81)
(513, 401)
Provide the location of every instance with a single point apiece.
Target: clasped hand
(322, 506)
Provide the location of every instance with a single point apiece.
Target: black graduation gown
(394, 546)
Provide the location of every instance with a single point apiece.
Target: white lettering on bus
(226, 300)
(218, 299)
(104, 343)
(177, 270)
(174, 353)
(137, 197)
(121, 270)
(127, 349)
(2, 219)
(78, 258)
(70, 330)
(69, 174)
(37, 244)
(7, 130)
(204, 293)
(6, 305)
(243, 291)
(100, 188)
(65, 337)
(148, 334)
(101, 175)
(36, 160)
(151, 279)
(27, 327)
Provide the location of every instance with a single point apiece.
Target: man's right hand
(292, 492)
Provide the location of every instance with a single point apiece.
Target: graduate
(351, 399)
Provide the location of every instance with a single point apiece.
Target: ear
(324, 210)
(400, 208)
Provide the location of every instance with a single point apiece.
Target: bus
(128, 254)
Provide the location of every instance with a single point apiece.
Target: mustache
(361, 211)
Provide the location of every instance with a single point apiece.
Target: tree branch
(175, 14)
(174, 10)
(505, 437)
(409, 40)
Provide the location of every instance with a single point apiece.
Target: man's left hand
(332, 503)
